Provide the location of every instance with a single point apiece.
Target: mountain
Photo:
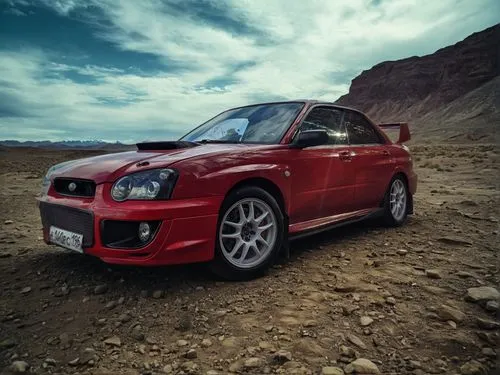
(452, 94)
(91, 144)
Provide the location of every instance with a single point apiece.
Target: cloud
(15, 12)
(212, 55)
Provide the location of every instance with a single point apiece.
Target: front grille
(74, 187)
(69, 218)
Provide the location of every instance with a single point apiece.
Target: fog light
(144, 231)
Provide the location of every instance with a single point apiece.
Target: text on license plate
(65, 238)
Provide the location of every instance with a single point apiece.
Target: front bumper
(186, 232)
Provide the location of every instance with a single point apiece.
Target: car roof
(314, 101)
(308, 102)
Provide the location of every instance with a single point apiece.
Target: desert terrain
(398, 297)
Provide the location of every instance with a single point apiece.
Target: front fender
(274, 173)
(207, 182)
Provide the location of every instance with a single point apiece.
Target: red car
(233, 190)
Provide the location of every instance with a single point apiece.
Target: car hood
(109, 167)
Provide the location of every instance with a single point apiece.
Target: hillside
(452, 94)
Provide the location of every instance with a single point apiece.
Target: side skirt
(373, 214)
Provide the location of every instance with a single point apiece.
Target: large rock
(365, 321)
(356, 341)
(113, 341)
(487, 324)
(157, 294)
(362, 366)
(101, 289)
(253, 362)
(455, 241)
(473, 368)
(206, 343)
(329, 370)
(482, 294)
(191, 354)
(493, 306)
(433, 274)
(19, 367)
(282, 356)
(87, 355)
(449, 313)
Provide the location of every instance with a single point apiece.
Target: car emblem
(72, 186)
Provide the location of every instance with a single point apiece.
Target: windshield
(263, 123)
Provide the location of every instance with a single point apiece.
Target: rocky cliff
(453, 93)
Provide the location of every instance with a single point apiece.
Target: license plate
(66, 239)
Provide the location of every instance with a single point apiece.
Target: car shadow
(61, 268)
(336, 236)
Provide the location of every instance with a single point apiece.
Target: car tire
(396, 202)
(239, 252)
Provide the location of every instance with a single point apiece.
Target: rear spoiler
(404, 130)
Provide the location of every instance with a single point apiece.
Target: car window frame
(381, 139)
(309, 110)
(283, 135)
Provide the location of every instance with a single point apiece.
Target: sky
(131, 70)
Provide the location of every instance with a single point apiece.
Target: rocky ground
(419, 299)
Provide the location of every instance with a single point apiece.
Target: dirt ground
(396, 297)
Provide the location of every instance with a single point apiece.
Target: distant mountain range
(450, 95)
(89, 144)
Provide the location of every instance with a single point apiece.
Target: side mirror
(310, 138)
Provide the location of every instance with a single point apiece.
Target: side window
(329, 119)
(360, 131)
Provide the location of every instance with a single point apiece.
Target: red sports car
(233, 191)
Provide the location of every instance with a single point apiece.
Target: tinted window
(360, 131)
(329, 119)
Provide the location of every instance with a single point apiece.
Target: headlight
(147, 185)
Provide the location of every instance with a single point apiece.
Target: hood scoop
(169, 145)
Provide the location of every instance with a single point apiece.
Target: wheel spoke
(262, 217)
(255, 248)
(261, 239)
(231, 235)
(251, 212)
(241, 212)
(265, 227)
(244, 252)
(233, 224)
(236, 247)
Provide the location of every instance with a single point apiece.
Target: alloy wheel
(248, 232)
(398, 200)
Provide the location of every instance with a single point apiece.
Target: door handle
(386, 153)
(345, 155)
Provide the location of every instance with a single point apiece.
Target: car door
(371, 161)
(322, 177)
